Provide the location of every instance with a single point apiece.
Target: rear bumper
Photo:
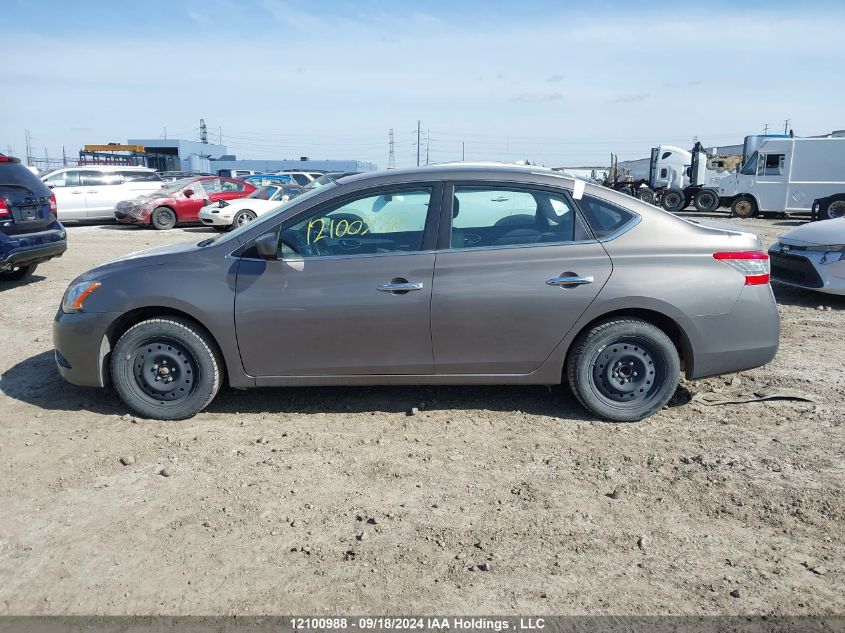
(745, 338)
(81, 346)
(31, 248)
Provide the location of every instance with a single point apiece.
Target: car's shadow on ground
(135, 227)
(26, 281)
(36, 381)
(788, 295)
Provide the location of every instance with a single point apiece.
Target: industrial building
(182, 155)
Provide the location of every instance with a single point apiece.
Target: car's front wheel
(242, 217)
(18, 272)
(166, 368)
(623, 369)
(163, 218)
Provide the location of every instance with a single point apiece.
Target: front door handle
(569, 280)
(400, 286)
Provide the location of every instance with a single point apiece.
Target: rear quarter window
(603, 217)
(140, 176)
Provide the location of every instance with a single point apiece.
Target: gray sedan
(441, 275)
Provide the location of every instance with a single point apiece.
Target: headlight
(77, 293)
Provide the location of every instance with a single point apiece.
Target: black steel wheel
(673, 200)
(706, 200)
(166, 369)
(163, 218)
(623, 369)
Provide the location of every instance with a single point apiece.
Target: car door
(70, 194)
(102, 193)
(194, 196)
(513, 274)
(772, 181)
(350, 292)
(231, 189)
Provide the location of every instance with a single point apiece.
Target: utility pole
(203, 132)
(427, 144)
(418, 143)
(165, 132)
(391, 156)
(786, 126)
(221, 134)
(463, 150)
(28, 149)
(765, 128)
(64, 156)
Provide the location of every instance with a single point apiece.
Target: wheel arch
(660, 320)
(121, 324)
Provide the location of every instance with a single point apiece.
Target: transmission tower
(391, 157)
(203, 132)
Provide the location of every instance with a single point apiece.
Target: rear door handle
(570, 280)
(404, 286)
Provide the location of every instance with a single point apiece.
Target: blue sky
(552, 82)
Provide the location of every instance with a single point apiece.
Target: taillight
(4, 208)
(753, 264)
(54, 208)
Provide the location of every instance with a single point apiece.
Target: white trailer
(789, 175)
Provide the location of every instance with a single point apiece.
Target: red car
(179, 202)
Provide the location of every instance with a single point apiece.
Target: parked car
(262, 180)
(301, 178)
(439, 275)
(91, 192)
(170, 176)
(180, 202)
(330, 177)
(812, 256)
(224, 215)
(828, 208)
(30, 233)
(236, 173)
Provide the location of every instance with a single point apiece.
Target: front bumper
(81, 346)
(31, 248)
(811, 270)
(745, 338)
(208, 217)
(132, 215)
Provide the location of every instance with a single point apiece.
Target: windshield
(319, 182)
(265, 193)
(171, 187)
(269, 216)
(750, 166)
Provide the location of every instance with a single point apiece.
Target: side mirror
(188, 193)
(267, 246)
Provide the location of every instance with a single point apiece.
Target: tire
(744, 207)
(17, 273)
(163, 218)
(673, 200)
(242, 217)
(706, 200)
(623, 369)
(833, 209)
(646, 194)
(143, 374)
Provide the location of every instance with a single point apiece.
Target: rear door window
(486, 216)
(100, 178)
(68, 178)
(140, 176)
(603, 217)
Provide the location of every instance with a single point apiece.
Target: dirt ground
(488, 500)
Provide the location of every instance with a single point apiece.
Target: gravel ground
(486, 500)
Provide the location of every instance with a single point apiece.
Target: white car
(225, 214)
(91, 192)
(812, 256)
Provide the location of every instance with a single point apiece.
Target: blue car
(262, 180)
(29, 231)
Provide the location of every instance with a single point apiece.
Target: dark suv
(29, 231)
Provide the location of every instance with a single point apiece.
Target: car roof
(103, 167)
(452, 171)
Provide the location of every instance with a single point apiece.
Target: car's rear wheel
(18, 272)
(623, 369)
(242, 217)
(163, 218)
(706, 200)
(166, 368)
(744, 207)
(646, 194)
(673, 200)
(833, 209)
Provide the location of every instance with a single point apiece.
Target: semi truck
(788, 175)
